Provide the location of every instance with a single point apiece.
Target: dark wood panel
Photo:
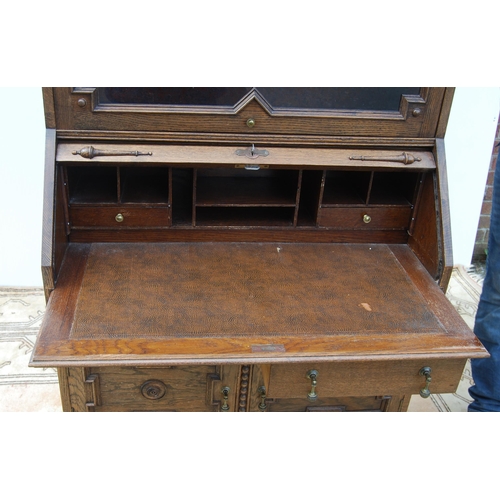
(244, 217)
(423, 239)
(246, 191)
(241, 234)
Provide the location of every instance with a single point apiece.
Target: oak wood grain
(135, 324)
(405, 122)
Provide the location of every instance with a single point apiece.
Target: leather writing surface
(166, 290)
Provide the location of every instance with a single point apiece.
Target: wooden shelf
(260, 191)
(244, 216)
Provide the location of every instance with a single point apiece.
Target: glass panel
(323, 98)
(341, 98)
(184, 96)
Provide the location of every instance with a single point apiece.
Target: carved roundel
(153, 389)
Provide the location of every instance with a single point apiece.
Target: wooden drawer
(132, 217)
(368, 403)
(183, 388)
(355, 217)
(356, 379)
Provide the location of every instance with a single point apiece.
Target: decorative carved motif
(153, 389)
(93, 393)
(244, 378)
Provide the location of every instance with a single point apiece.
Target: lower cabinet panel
(371, 403)
(293, 387)
(178, 388)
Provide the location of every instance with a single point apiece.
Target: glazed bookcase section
(408, 112)
(118, 196)
(368, 200)
(240, 197)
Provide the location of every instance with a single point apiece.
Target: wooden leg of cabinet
(64, 389)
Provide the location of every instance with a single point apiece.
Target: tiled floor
(24, 389)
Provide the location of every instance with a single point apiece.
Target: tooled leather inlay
(179, 290)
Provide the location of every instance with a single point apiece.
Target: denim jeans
(486, 371)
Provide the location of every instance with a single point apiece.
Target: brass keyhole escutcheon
(250, 123)
(119, 218)
(367, 219)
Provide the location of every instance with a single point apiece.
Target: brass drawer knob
(119, 218)
(367, 219)
(250, 123)
(225, 396)
(153, 389)
(262, 392)
(426, 372)
(313, 376)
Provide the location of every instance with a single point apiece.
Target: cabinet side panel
(48, 212)
(62, 374)
(424, 238)
(54, 239)
(444, 222)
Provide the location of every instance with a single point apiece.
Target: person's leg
(486, 371)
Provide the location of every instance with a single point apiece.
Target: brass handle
(90, 152)
(312, 375)
(119, 218)
(426, 372)
(225, 395)
(405, 158)
(367, 219)
(262, 392)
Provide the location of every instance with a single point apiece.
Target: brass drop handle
(367, 219)
(313, 376)
(119, 218)
(90, 152)
(426, 372)
(225, 395)
(262, 392)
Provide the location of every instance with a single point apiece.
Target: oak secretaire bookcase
(248, 249)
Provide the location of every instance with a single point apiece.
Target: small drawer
(120, 216)
(354, 379)
(154, 389)
(365, 217)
